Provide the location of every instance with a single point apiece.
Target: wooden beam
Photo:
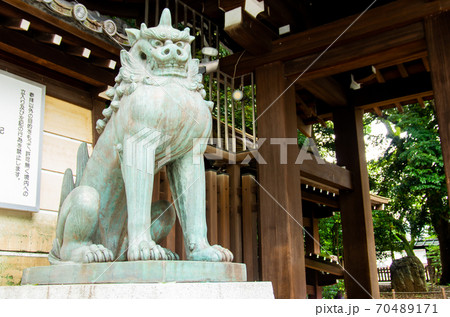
(247, 31)
(79, 51)
(356, 214)
(396, 61)
(53, 58)
(320, 199)
(391, 92)
(378, 111)
(390, 103)
(367, 51)
(105, 63)
(326, 89)
(426, 63)
(54, 39)
(36, 10)
(327, 173)
(324, 267)
(379, 75)
(304, 128)
(421, 102)
(282, 247)
(438, 40)
(17, 24)
(399, 107)
(377, 20)
(402, 70)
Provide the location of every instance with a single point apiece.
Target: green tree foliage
(330, 232)
(411, 173)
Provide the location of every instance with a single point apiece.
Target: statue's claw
(214, 253)
(227, 256)
(98, 253)
(171, 256)
(150, 251)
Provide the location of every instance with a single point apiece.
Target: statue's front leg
(187, 183)
(138, 168)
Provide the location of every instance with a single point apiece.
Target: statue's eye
(157, 43)
(180, 44)
(143, 56)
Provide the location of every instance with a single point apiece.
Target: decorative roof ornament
(80, 12)
(91, 20)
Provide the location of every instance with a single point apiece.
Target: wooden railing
(384, 274)
(234, 120)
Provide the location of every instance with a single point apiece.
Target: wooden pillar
(223, 198)
(356, 214)
(317, 289)
(234, 171)
(438, 40)
(97, 108)
(249, 226)
(282, 246)
(211, 206)
(312, 238)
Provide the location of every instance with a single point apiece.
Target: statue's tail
(67, 186)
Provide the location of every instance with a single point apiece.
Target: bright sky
(373, 152)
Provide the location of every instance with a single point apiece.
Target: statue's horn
(166, 18)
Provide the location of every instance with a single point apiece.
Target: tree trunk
(407, 246)
(442, 228)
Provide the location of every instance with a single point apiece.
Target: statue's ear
(187, 31)
(133, 35)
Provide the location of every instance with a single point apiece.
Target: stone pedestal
(139, 279)
(231, 290)
(135, 272)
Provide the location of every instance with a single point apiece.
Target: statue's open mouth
(171, 69)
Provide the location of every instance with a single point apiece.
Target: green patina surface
(136, 272)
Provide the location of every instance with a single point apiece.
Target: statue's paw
(214, 253)
(149, 250)
(82, 253)
(171, 256)
(97, 253)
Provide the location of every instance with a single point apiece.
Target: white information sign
(22, 105)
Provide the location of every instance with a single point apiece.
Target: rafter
(19, 44)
